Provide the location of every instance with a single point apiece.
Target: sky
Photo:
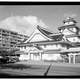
(24, 18)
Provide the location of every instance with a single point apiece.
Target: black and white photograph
(39, 40)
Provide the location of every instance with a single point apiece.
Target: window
(4, 45)
(11, 45)
(24, 47)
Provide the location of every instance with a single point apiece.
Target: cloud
(41, 23)
(22, 24)
(31, 19)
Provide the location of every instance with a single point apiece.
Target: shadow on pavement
(18, 66)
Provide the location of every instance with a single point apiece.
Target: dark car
(4, 59)
(8, 59)
(13, 59)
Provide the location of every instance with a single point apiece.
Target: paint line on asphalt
(45, 74)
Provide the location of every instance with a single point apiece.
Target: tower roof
(49, 34)
(70, 26)
(68, 23)
(69, 19)
(43, 34)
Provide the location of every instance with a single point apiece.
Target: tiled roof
(71, 50)
(45, 43)
(44, 31)
(20, 52)
(69, 19)
(73, 35)
(70, 26)
(75, 44)
(57, 36)
(52, 52)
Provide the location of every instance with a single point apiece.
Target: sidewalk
(31, 62)
(39, 68)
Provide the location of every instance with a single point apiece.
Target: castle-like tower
(70, 30)
(71, 34)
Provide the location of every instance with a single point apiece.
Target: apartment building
(10, 39)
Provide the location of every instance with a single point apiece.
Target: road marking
(45, 74)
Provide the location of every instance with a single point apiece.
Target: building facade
(10, 39)
(46, 45)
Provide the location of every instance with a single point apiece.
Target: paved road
(25, 68)
(64, 71)
(40, 69)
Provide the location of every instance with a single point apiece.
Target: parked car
(4, 59)
(13, 59)
(8, 59)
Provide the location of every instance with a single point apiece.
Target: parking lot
(39, 68)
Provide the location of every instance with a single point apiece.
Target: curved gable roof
(50, 34)
(44, 30)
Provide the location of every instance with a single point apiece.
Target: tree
(8, 53)
(65, 56)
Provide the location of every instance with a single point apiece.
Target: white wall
(51, 57)
(24, 57)
(38, 37)
(51, 47)
(67, 32)
(74, 39)
(69, 23)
